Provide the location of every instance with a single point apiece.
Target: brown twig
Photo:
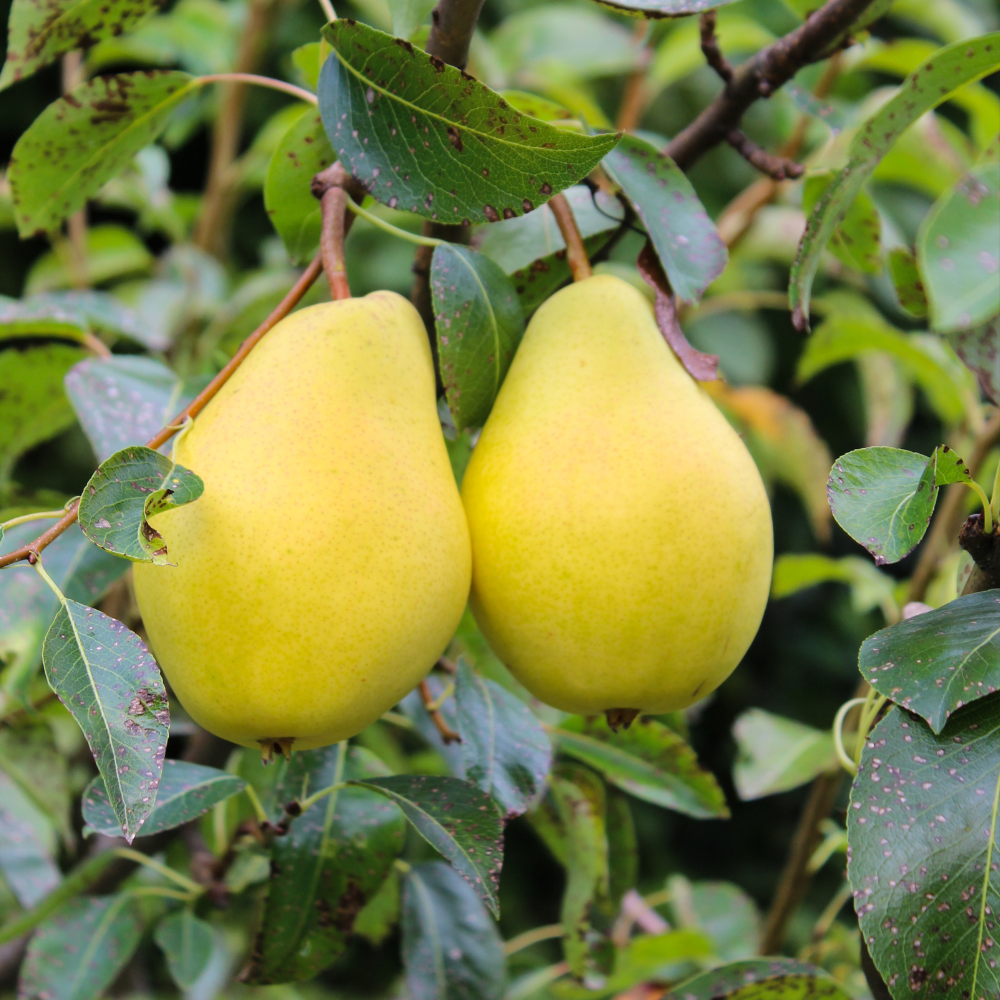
(31, 551)
(447, 733)
(331, 242)
(761, 75)
(576, 252)
(710, 48)
(948, 520)
(776, 167)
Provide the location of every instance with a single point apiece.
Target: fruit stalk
(576, 252)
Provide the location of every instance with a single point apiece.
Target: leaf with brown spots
(935, 663)
(427, 138)
(41, 30)
(933, 82)
(761, 979)
(84, 139)
(97, 667)
(457, 819)
(923, 837)
(980, 350)
(334, 857)
(857, 241)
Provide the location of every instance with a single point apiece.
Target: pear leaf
(188, 944)
(127, 489)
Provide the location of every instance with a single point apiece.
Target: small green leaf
(185, 792)
(906, 278)
(452, 950)
(409, 15)
(40, 32)
(775, 754)
(29, 758)
(722, 911)
(980, 350)
(428, 138)
(926, 87)
(85, 138)
(27, 866)
(124, 400)
(647, 760)
(857, 241)
(935, 663)
(479, 323)
(33, 405)
(332, 859)
(958, 255)
(883, 498)
(686, 240)
(504, 747)
(295, 213)
(127, 489)
(870, 587)
(100, 311)
(27, 605)
(112, 252)
(380, 914)
(924, 838)
(188, 944)
(623, 846)
(104, 675)
(457, 819)
(761, 979)
(77, 954)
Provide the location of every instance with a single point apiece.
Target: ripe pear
(621, 534)
(327, 564)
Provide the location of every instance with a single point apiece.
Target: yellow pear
(327, 563)
(621, 535)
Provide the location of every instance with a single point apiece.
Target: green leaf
(33, 406)
(906, 279)
(925, 88)
(124, 400)
(84, 139)
(532, 251)
(980, 350)
(623, 846)
(870, 587)
(187, 943)
(40, 32)
(479, 323)
(926, 359)
(664, 8)
(504, 748)
(775, 754)
(761, 979)
(185, 792)
(924, 837)
(409, 15)
(112, 252)
(78, 953)
(457, 819)
(380, 913)
(722, 911)
(647, 760)
(27, 605)
(26, 862)
(857, 241)
(332, 859)
(428, 138)
(104, 675)
(883, 498)
(127, 489)
(935, 663)
(686, 240)
(958, 255)
(452, 950)
(295, 213)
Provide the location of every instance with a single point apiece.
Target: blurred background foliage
(197, 296)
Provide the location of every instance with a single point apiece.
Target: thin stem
(331, 14)
(995, 504)
(576, 252)
(534, 936)
(448, 691)
(655, 899)
(838, 736)
(280, 311)
(321, 794)
(262, 81)
(159, 890)
(533, 983)
(333, 204)
(25, 518)
(424, 241)
(447, 733)
(868, 715)
(827, 917)
(40, 570)
(160, 869)
(395, 719)
(258, 807)
(987, 507)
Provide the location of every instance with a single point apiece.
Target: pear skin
(327, 564)
(621, 534)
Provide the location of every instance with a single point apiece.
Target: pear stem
(576, 252)
(280, 311)
(433, 710)
(333, 204)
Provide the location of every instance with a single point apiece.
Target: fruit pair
(620, 535)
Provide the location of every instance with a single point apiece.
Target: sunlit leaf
(870, 587)
(722, 911)
(112, 252)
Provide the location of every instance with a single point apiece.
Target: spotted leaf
(761, 979)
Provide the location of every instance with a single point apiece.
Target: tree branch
(776, 167)
(761, 75)
(710, 48)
